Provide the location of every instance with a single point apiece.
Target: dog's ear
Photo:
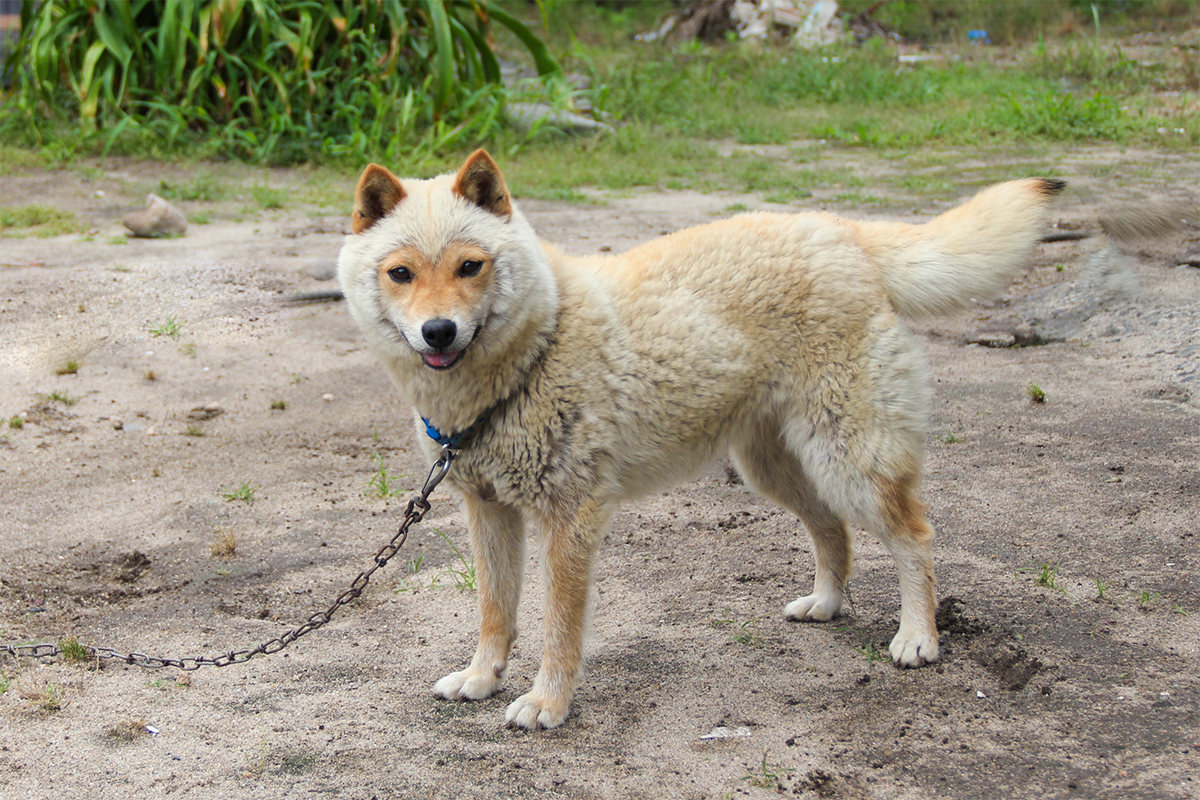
(378, 192)
(480, 182)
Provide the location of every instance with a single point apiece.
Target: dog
(567, 385)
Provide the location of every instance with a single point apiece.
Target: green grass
(73, 652)
(204, 187)
(463, 575)
(16, 423)
(382, 484)
(1045, 574)
(39, 220)
(243, 493)
(268, 197)
(1035, 392)
(60, 397)
(269, 81)
(765, 775)
(71, 367)
(743, 632)
(168, 327)
(43, 695)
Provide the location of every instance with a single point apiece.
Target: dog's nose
(439, 332)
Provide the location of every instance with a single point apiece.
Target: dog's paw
(813, 608)
(534, 712)
(912, 649)
(470, 684)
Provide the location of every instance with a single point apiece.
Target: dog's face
(437, 301)
(433, 265)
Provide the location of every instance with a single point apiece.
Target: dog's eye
(400, 274)
(470, 268)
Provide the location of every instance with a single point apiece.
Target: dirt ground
(1066, 555)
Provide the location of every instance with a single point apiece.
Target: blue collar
(452, 441)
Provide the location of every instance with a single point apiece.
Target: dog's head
(440, 270)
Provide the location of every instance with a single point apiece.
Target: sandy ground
(1067, 539)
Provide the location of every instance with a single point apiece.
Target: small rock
(118, 424)
(205, 413)
(328, 398)
(321, 269)
(992, 339)
(158, 218)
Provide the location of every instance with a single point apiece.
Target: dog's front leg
(568, 550)
(498, 549)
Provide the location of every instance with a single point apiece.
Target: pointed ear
(378, 192)
(480, 182)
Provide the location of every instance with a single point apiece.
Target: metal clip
(440, 469)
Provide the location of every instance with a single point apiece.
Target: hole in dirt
(951, 620)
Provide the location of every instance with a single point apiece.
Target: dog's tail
(969, 253)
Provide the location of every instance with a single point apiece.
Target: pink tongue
(440, 359)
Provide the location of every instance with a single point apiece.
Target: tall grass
(266, 80)
(852, 95)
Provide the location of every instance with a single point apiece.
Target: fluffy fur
(777, 338)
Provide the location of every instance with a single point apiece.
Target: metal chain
(417, 507)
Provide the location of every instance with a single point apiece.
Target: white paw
(533, 712)
(814, 607)
(470, 684)
(912, 649)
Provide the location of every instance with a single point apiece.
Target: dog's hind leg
(907, 535)
(772, 471)
(498, 550)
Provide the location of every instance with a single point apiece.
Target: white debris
(727, 733)
(815, 22)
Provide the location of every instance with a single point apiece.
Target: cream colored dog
(578, 383)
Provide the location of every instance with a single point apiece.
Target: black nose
(439, 332)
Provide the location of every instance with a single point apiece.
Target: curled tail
(970, 253)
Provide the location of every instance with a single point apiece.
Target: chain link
(417, 507)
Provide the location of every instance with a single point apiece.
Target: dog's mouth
(442, 360)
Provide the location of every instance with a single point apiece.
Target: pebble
(321, 269)
(993, 339)
(158, 218)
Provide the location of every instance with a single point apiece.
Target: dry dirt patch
(1066, 551)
